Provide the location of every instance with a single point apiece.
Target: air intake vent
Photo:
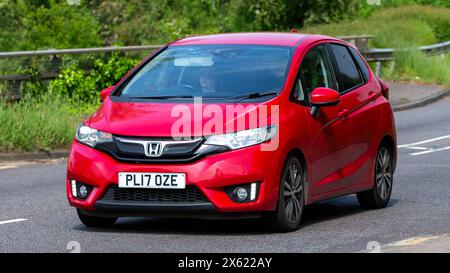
(189, 195)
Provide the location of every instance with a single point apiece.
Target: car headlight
(243, 139)
(91, 136)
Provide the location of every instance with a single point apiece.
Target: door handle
(343, 113)
(372, 95)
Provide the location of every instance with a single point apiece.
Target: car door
(356, 95)
(328, 132)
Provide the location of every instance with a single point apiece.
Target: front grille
(132, 150)
(190, 194)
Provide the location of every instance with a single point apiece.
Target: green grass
(398, 27)
(402, 27)
(416, 66)
(40, 125)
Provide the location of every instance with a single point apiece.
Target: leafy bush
(33, 24)
(129, 22)
(259, 15)
(75, 84)
(60, 26)
(29, 25)
(10, 25)
(284, 15)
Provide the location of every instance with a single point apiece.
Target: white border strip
(432, 151)
(424, 141)
(12, 221)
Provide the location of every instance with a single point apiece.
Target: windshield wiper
(254, 95)
(164, 97)
(237, 98)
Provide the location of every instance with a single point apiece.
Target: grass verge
(416, 66)
(43, 124)
(402, 27)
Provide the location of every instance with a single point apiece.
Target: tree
(58, 26)
(10, 24)
(286, 14)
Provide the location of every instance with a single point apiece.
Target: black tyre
(378, 197)
(93, 221)
(291, 200)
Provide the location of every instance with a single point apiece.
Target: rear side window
(346, 71)
(362, 65)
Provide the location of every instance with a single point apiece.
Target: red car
(236, 125)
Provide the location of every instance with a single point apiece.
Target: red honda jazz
(236, 125)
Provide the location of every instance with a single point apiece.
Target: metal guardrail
(57, 52)
(440, 48)
(77, 51)
(377, 55)
(388, 54)
(380, 55)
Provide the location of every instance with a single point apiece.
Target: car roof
(251, 38)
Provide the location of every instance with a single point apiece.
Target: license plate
(152, 180)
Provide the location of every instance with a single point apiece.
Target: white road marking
(12, 221)
(417, 148)
(413, 241)
(424, 141)
(432, 151)
(436, 243)
(426, 150)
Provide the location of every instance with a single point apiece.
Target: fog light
(79, 189)
(241, 194)
(83, 191)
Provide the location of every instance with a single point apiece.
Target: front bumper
(210, 175)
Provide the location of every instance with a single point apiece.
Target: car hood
(161, 119)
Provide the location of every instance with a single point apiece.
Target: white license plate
(152, 180)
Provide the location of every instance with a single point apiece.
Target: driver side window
(315, 71)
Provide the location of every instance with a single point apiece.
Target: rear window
(347, 72)
(212, 71)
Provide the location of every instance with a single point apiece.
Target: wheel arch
(298, 153)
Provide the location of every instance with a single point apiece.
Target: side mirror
(105, 93)
(323, 97)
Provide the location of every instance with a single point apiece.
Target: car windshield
(214, 71)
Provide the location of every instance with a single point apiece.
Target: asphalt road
(420, 207)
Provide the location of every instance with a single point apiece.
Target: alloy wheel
(293, 192)
(384, 173)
